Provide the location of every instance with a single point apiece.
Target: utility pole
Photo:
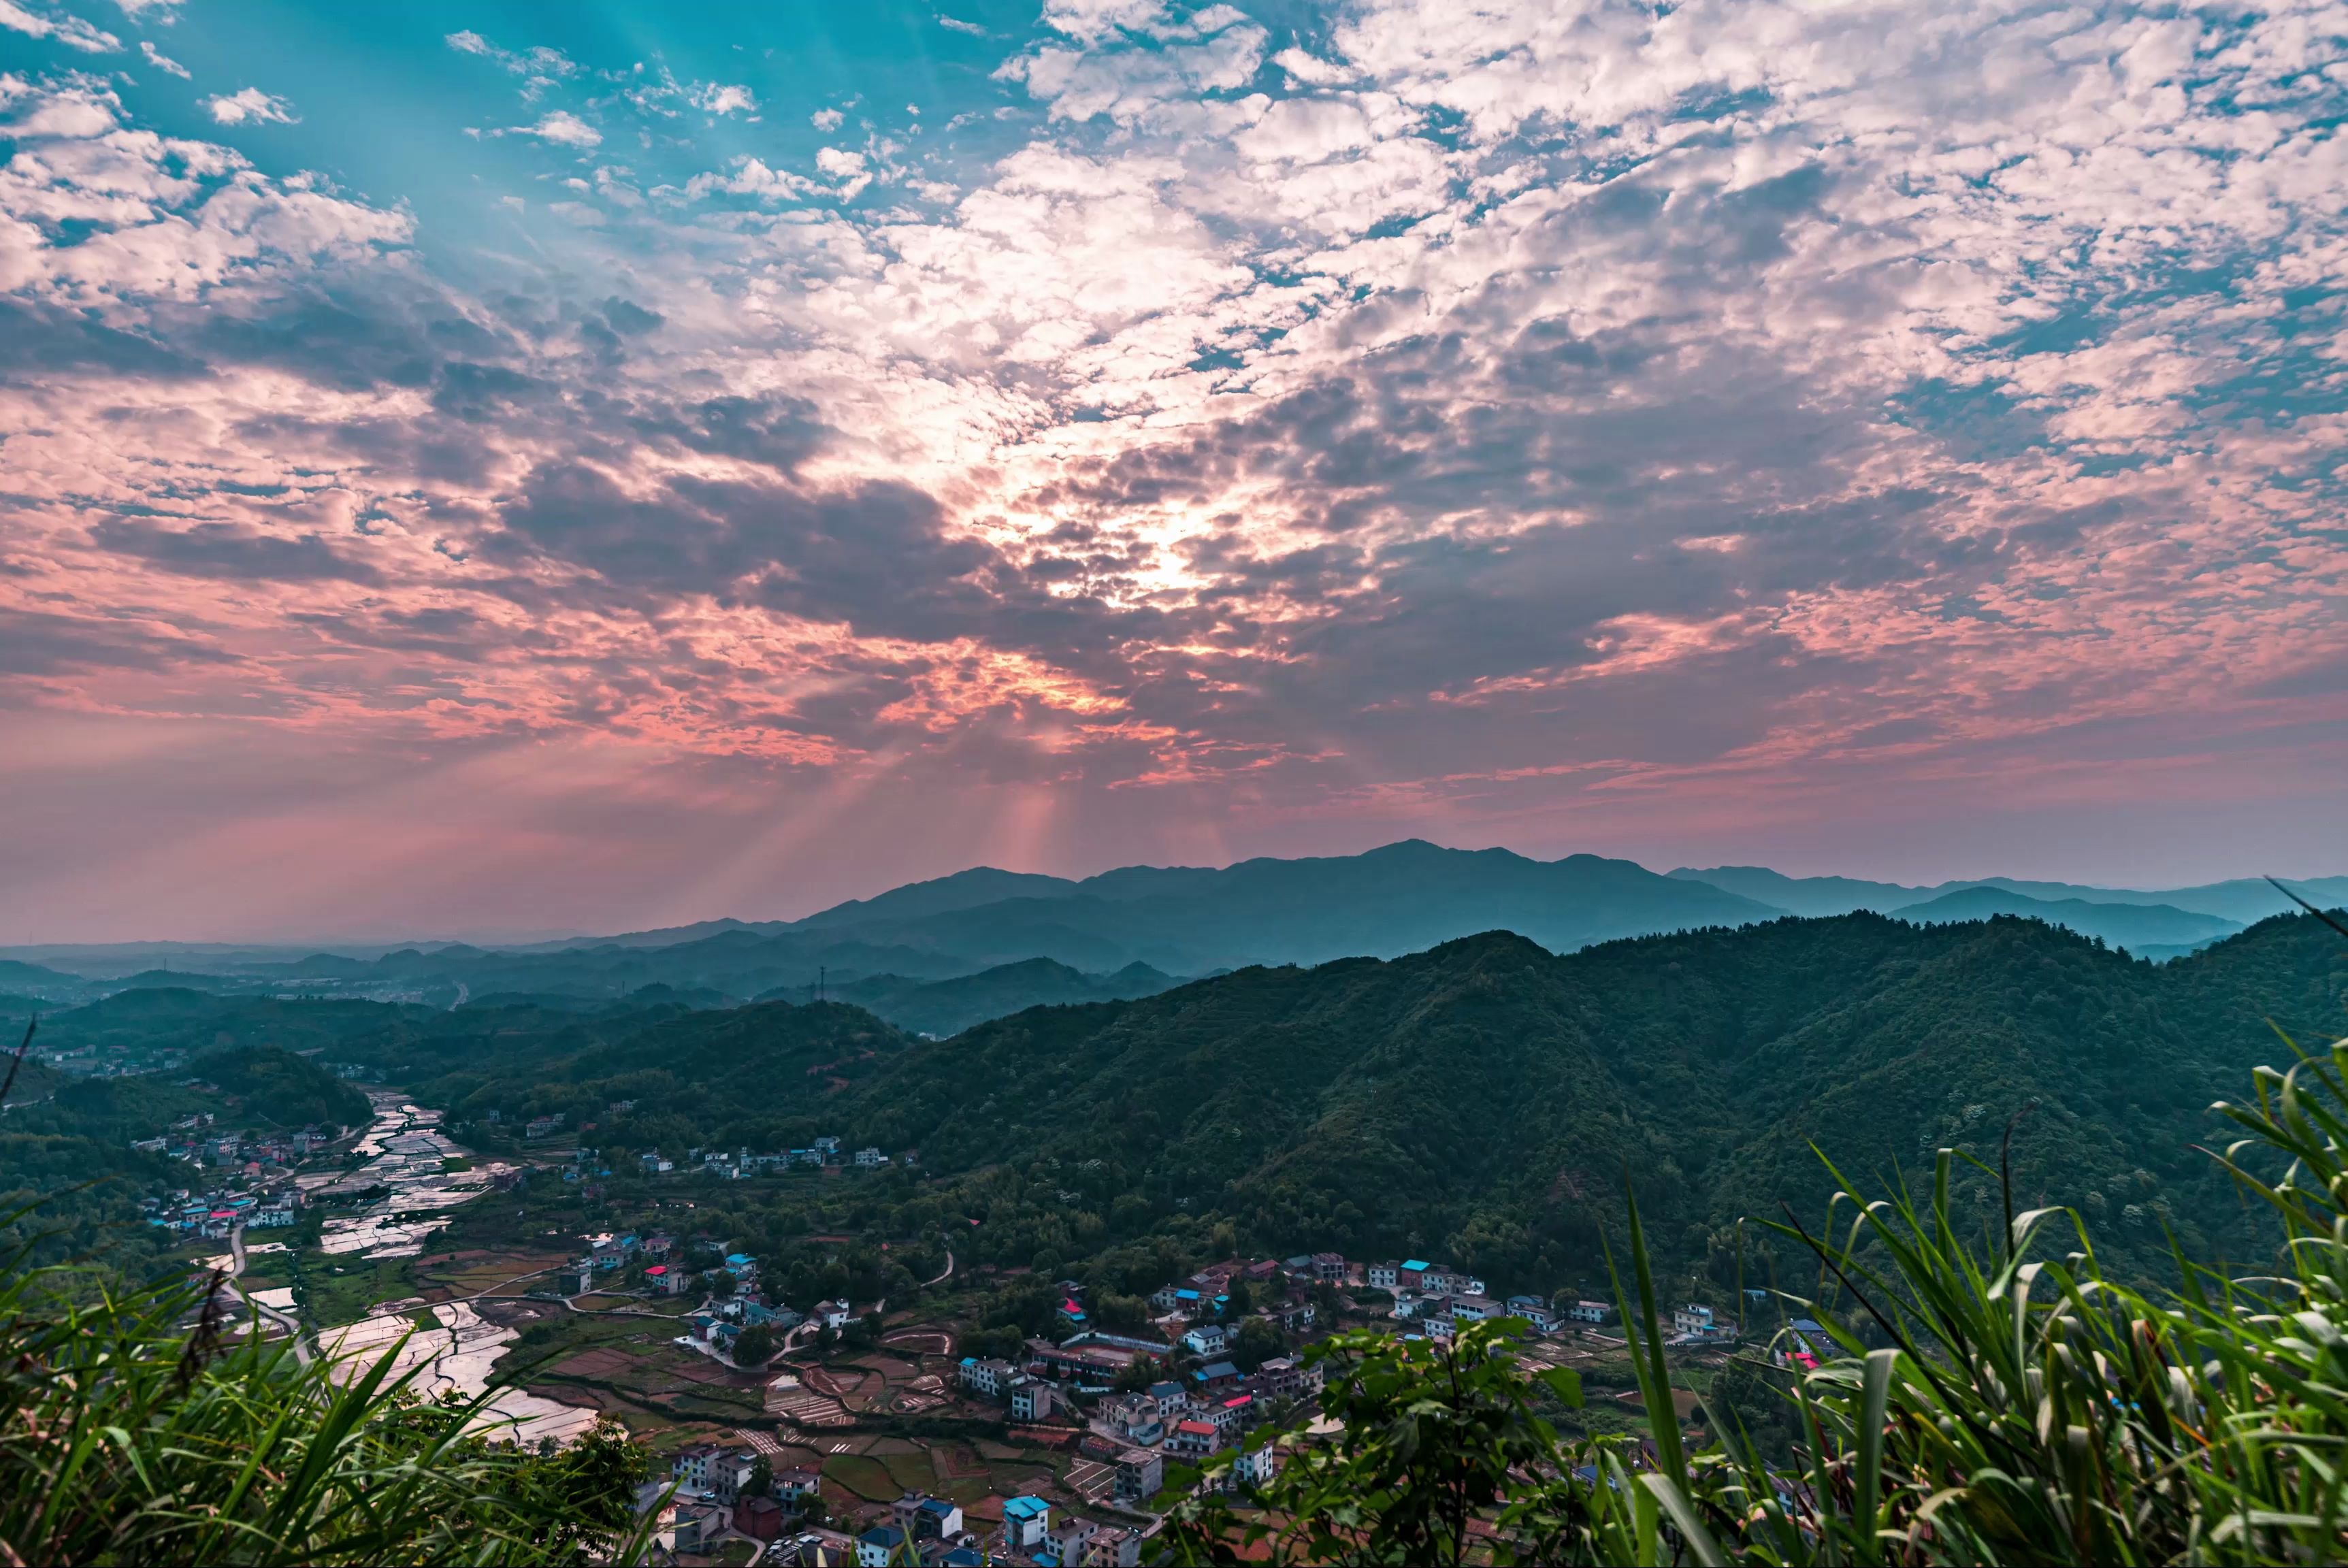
(821, 975)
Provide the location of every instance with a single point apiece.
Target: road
(943, 1278)
(284, 1320)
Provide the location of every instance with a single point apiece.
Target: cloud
(1551, 422)
(161, 62)
(710, 98)
(251, 106)
(71, 31)
(536, 61)
(565, 129)
(955, 25)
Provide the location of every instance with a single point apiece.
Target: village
(823, 1430)
(1143, 1421)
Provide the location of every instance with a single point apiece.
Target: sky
(475, 467)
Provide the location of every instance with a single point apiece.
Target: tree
(754, 1345)
(1258, 1340)
(761, 1481)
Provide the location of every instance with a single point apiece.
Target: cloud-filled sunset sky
(471, 466)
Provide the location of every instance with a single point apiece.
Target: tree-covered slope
(1485, 1099)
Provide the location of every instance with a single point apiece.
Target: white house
(1025, 1521)
(1691, 1319)
(1589, 1312)
(1207, 1339)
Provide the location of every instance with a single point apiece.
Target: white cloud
(160, 61)
(250, 105)
(955, 25)
(538, 61)
(160, 219)
(752, 177)
(71, 31)
(164, 10)
(825, 120)
(711, 97)
(565, 128)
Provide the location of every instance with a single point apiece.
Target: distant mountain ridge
(2243, 901)
(936, 956)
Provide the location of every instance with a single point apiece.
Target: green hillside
(1483, 1100)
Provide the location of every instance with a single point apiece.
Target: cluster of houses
(213, 1215)
(739, 1164)
(709, 1495)
(254, 1184)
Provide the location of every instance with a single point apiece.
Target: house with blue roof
(1026, 1521)
(880, 1546)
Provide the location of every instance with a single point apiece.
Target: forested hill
(1484, 1099)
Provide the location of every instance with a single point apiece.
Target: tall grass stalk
(137, 1428)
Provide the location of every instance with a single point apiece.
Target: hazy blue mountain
(2128, 925)
(39, 982)
(2245, 900)
(1399, 899)
(2242, 902)
(941, 895)
(1807, 896)
(943, 1007)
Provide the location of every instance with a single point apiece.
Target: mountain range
(1485, 1101)
(936, 956)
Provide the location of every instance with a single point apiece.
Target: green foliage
(2010, 1407)
(1472, 1103)
(754, 1346)
(129, 1438)
(281, 1089)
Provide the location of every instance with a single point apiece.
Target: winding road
(284, 1320)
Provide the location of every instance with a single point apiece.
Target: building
(990, 1379)
(664, 1279)
(880, 1546)
(1032, 1399)
(1025, 1521)
(925, 1518)
(1589, 1312)
(832, 1313)
(1474, 1308)
(1066, 1543)
(691, 1526)
(1171, 1399)
(1214, 1379)
(1207, 1339)
(1140, 1475)
(1284, 1377)
(1384, 1276)
(1411, 1275)
(1137, 1418)
(708, 1468)
(1329, 1268)
(1252, 1468)
(1111, 1546)
(1178, 1298)
(794, 1487)
(1691, 1319)
(760, 1518)
(1093, 1363)
(1193, 1439)
(868, 1158)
